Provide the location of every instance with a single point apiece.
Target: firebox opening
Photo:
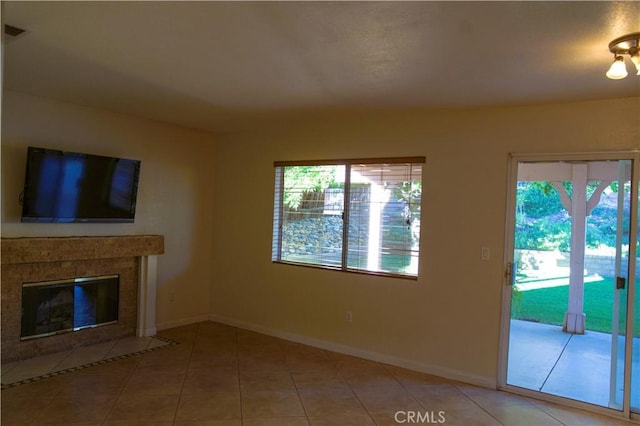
(61, 306)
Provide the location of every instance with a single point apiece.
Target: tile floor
(220, 375)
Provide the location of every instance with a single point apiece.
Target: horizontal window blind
(310, 215)
(384, 218)
(358, 214)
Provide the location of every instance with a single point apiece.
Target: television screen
(73, 187)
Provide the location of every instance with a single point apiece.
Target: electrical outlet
(348, 316)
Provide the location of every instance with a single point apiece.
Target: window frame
(278, 219)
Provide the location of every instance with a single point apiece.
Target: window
(358, 215)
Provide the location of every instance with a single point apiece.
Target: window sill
(348, 270)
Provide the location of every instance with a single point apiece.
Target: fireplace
(61, 306)
(42, 270)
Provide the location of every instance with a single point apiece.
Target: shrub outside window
(360, 215)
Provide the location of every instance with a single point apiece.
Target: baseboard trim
(182, 322)
(446, 373)
(145, 332)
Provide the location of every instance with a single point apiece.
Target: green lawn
(548, 305)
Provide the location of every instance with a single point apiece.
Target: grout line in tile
(304, 409)
(53, 369)
(355, 394)
(78, 362)
(184, 379)
(9, 367)
(237, 339)
(120, 392)
(81, 367)
(479, 405)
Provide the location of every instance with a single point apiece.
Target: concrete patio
(545, 359)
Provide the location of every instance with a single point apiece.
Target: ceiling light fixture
(626, 45)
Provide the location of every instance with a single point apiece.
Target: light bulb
(617, 70)
(635, 58)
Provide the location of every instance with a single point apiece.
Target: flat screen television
(65, 187)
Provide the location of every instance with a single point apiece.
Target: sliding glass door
(568, 327)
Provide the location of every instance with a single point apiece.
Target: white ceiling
(216, 65)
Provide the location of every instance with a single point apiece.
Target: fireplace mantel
(54, 249)
(49, 258)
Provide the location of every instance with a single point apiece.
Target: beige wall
(174, 198)
(215, 212)
(448, 320)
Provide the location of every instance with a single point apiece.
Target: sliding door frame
(512, 177)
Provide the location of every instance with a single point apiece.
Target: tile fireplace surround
(132, 257)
